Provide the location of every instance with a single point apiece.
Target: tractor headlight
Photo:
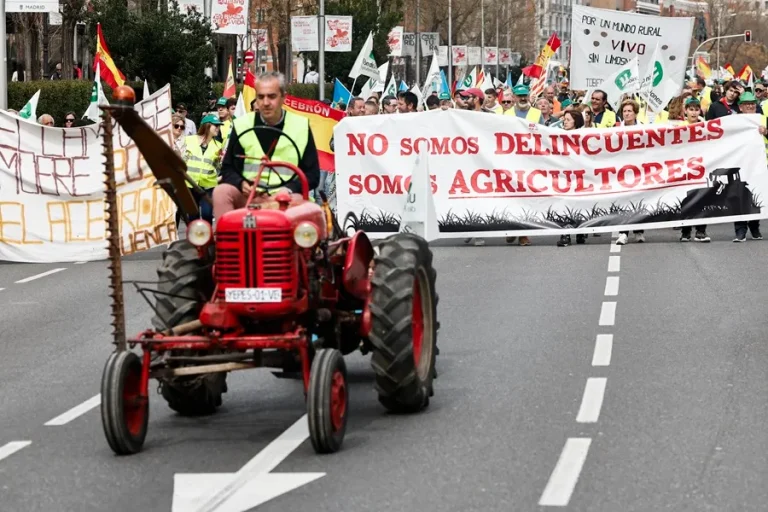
(199, 233)
(305, 235)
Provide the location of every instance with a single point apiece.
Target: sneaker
(622, 239)
(511, 239)
(685, 237)
(740, 238)
(581, 239)
(524, 240)
(565, 241)
(756, 235)
(640, 238)
(701, 237)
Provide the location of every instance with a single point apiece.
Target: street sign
(248, 56)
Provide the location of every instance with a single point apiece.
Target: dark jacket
(232, 165)
(719, 109)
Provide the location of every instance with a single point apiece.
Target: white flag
(365, 64)
(30, 109)
(656, 87)
(97, 98)
(432, 83)
(240, 107)
(625, 80)
(146, 90)
(419, 216)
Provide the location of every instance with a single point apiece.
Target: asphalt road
(586, 378)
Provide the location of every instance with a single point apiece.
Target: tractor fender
(357, 262)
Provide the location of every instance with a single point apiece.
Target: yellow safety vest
(533, 115)
(225, 129)
(704, 98)
(202, 167)
(765, 139)
(296, 127)
(608, 120)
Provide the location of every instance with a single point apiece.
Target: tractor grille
(267, 261)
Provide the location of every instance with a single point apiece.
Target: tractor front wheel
(404, 325)
(327, 401)
(124, 412)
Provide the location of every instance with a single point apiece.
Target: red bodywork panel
(255, 248)
(358, 258)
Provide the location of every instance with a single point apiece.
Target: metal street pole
(482, 35)
(509, 29)
(207, 7)
(710, 40)
(321, 52)
(450, 43)
(497, 43)
(3, 60)
(418, 42)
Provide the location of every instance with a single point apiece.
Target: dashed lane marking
(592, 401)
(75, 412)
(38, 276)
(603, 349)
(608, 313)
(12, 447)
(614, 263)
(615, 248)
(563, 479)
(612, 286)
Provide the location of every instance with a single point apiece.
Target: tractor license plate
(254, 295)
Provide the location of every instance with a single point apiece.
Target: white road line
(73, 413)
(1, 289)
(614, 263)
(38, 276)
(603, 349)
(12, 447)
(592, 401)
(612, 286)
(608, 313)
(80, 262)
(563, 479)
(615, 248)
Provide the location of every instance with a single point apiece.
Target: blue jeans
(205, 208)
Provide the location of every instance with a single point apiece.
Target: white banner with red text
(498, 175)
(52, 189)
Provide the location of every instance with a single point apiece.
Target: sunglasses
(507, 102)
(179, 126)
(759, 90)
(69, 120)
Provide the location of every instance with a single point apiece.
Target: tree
(159, 45)
(72, 11)
(367, 19)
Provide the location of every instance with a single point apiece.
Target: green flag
(30, 109)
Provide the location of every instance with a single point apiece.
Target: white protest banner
(52, 189)
(491, 56)
(395, 42)
(603, 39)
(338, 33)
(502, 176)
(459, 55)
(474, 56)
(304, 34)
(230, 17)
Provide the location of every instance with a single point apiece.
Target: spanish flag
(322, 120)
(729, 69)
(540, 66)
(249, 89)
(745, 73)
(704, 70)
(109, 72)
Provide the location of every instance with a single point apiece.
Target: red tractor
(276, 285)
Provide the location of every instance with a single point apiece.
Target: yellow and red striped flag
(249, 89)
(745, 73)
(230, 89)
(322, 120)
(704, 70)
(539, 67)
(108, 70)
(729, 69)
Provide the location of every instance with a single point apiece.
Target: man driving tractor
(238, 173)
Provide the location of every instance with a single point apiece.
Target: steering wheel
(272, 166)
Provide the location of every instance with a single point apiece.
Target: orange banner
(322, 120)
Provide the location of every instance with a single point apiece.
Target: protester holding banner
(728, 104)
(603, 118)
(523, 108)
(747, 104)
(693, 116)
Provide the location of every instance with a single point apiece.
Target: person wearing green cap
(202, 154)
(226, 108)
(693, 116)
(747, 104)
(445, 101)
(523, 108)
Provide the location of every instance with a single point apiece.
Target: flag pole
(450, 43)
(482, 35)
(497, 43)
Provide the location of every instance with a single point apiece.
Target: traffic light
(748, 36)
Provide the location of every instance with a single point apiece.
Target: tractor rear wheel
(404, 323)
(189, 284)
(124, 413)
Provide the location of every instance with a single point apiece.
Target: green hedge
(57, 97)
